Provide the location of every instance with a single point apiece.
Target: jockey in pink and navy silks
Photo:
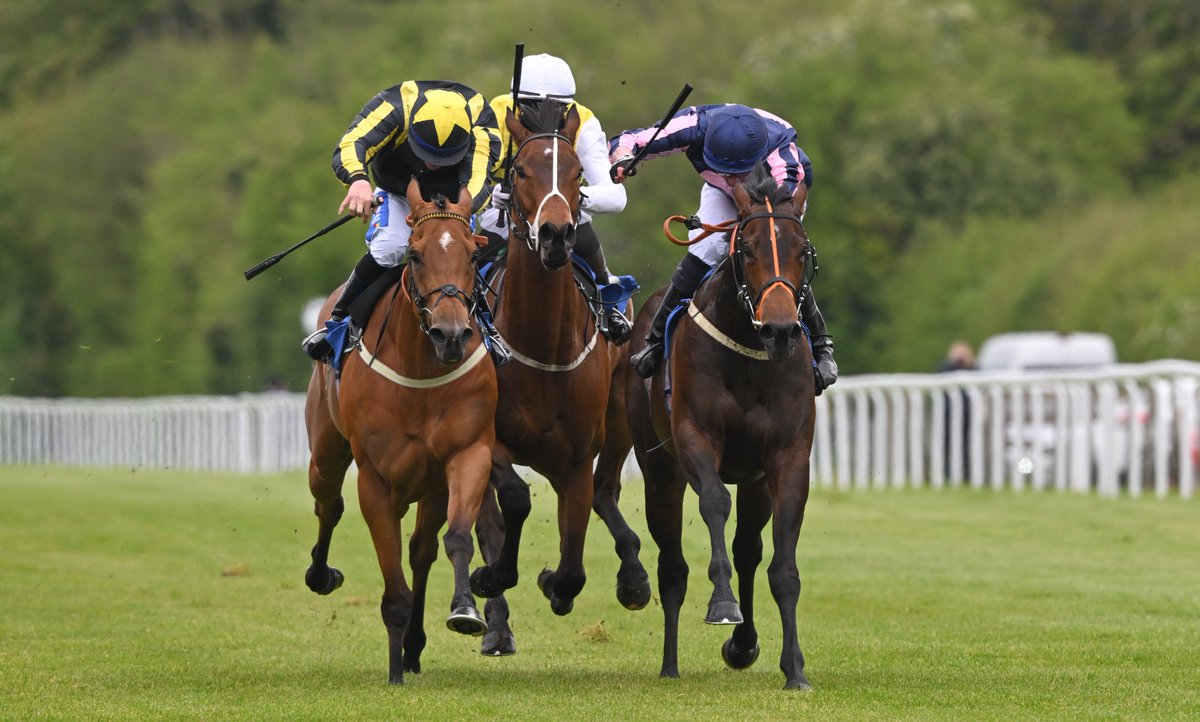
(724, 143)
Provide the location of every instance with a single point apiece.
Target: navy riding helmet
(736, 139)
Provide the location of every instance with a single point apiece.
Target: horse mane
(542, 115)
(760, 185)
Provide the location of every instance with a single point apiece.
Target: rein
(735, 228)
(529, 233)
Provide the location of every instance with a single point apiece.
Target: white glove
(500, 196)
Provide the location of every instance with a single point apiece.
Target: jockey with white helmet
(549, 78)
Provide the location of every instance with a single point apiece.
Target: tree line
(980, 166)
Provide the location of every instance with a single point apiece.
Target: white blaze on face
(445, 240)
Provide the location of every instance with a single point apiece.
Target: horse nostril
(437, 335)
(467, 334)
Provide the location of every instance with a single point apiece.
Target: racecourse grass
(142, 594)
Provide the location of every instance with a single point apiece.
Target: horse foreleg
(562, 585)
(513, 495)
(754, 511)
(664, 519)
(383, 521)
(489, 529)
(422, 552)
(326, 472)
(698, 458)
(466, 480)
(633, 584)
(790, 499)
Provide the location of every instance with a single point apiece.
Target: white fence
(1130, 429)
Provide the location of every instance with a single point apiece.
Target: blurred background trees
(980, 166)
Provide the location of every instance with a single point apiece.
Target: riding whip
(631, 165)
(264, 265)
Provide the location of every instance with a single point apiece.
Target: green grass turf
(166, 595)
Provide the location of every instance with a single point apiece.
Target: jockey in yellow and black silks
(442, 133)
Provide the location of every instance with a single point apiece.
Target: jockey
(440, 132)
(724, 143)
(548, 78)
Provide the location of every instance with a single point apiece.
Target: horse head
(545, 179)
(441, 267)
(770, 252)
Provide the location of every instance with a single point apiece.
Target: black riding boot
(364, 274)
(826, 370)
(615, 326)
(684, 282)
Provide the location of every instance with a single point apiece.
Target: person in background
(548, 79)
(724, 143)
(440, 132)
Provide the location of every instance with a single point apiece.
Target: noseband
(420, 300)
(777, 281)
(529, 232)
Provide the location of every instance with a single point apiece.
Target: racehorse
(415, 410)
(553, 396)
(741, 412)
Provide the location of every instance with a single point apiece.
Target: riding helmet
(736, 139)
(439, 127)
(546, 76)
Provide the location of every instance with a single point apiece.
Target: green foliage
(151, 152)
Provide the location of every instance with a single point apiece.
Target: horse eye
(520, 171)
(747, 251)
(414, 258)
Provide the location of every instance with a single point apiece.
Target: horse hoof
(467, 620)
(800, 684)
(723, 613)
(483, 583)
(738, 658)
(636, 595)
(323, 583)
(412, 665)
(542, 580)
(561, 607)
(497, 644)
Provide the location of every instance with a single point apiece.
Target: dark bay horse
(415, 410)
(554, 395)
(741, 413)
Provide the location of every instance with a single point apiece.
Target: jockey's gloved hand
(622, 163)
(500, 196)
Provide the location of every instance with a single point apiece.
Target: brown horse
(553, 396)
(415, 410)
(741, 412)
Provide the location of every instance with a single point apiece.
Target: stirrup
(316, 345)
(496, 348)
(646, 361)
(616, 327)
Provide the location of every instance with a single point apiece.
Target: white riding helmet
(545, 76)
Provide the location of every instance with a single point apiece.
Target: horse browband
(441, 214)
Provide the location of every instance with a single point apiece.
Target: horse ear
(741, 198)
(518, 131)
(481, 242)
(800, 197)
(465, 199)
(413, 194)
(571, 126)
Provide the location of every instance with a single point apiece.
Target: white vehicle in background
(1036, 442)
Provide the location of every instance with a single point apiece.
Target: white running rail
(1128, 429)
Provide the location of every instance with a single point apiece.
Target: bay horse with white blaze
(742, 413)
(553, 396)
(415, 410)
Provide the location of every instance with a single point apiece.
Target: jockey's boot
(647, 361)
(826, 370)
(365, 272)
(615, 326)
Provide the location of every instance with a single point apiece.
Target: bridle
(529, 232)
(753, 302)
(776, 282)
(450, 290)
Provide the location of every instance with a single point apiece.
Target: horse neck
(541, 309)
(718, 300)
(402, 345)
